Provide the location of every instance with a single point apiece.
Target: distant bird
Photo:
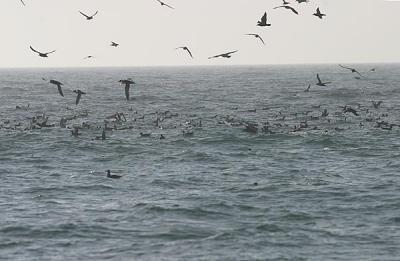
(347, 109)
(308, 88)
(257, 36)
(302, 1)
(88, 57)
(164, 4)
(87, 16)
(127, 83)
(351, 69)
(263, 21)
(112, 176)
(41, 54)
(186, 49)
(114, 44)
(78, 97)
(320, 83)
(285, 2)
(288, 7)
(377, 104)
(225, 55)
(319, 14)
(373, 70)
(58, 84)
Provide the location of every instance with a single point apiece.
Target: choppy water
(326, 192)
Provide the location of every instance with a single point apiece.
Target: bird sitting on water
(112, 176)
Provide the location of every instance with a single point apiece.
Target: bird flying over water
(263, 21)
(58, 84)
(257, 36)
(288, 7)
(40, 53)
(164, 4)
(114, 44)
(320, 83)
(319, 14)
(225, 55)
(78, 98)
(87, 16)
(351, 69)
(186, 49)
(127, 84)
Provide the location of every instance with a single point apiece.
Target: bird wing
(230, 52)
(215, 56)
(168, 6)
(190, 53)
(95, 13)
(291, 8)
(318, 12)
(55, 82)
(50, 52)
(251, 34)
(127, 91)
(33, 49)
(78, 98)
(60, 90)
(84, 14)
(261, 39)
(319, 79)
(348, 68)
(264, 18)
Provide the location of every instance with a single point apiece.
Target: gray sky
(354, 31)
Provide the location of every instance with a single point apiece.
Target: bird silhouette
(257, 36)
(319, 14)
(263, 21)
(114, 44)
(40, 53)
(285, 2)
(58, 84)
(224, 55)
(320, 83)
(88, 57)
(287, 7)
(112, 176)
(351, 69)
(78, 97)
(164, 4)
(186, 49)
(87, 16)
(308, 88)
(127, 84)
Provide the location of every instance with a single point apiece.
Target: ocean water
(326, 191)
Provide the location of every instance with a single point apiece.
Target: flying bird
(162, 4)
(186, 49)
(320, 83)
(87, 16)
(78, 97)
(127, 83)
(41, 54)
(58, 84)
(225, 55)
(302, 1)
(88, 57)
(263, 21)
(287, 7)
(285, 2)
(257, 36)
(319, 14)
(351, 69)
(114, 44)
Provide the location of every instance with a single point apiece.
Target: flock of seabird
(278, 122)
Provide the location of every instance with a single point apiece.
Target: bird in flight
(87, 16)
(351, 69)
(41, 54)
(287, 7)
(257, 36)
(162, 4)
(319, 14)
(263, 21)
(58, 84)
(186, 49)
(320, 83)
(285, 2)
(114, 44)
(225, 55)
(78, 98)
(302, 1)
(88, 57)
(127, 83)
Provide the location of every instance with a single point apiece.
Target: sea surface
(327, 189)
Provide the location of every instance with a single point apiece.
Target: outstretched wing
(190, 53)
(168, 6)
(264, 18)
(33, 49)
(50, 52)
(230, 52)
(348, 68)
(215, 56)
(60, 90)
(261, 39)
(127, 91)
(291, 8)
(78, 98)
(84, 14)
(319, 79)
(95, 13)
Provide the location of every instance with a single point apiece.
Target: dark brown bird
(87, 16)
(78, 97)
(263, 21)
(186, 49)
(224, 55)
(58, 84)
(40, 53)
(114, 44)
(257, 36)
(127, 84)
(112, 176)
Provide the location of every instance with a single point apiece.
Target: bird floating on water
(114, 44)
(319, 14)
(112, 176)
(40, 53)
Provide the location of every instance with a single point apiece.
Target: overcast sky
(354, 31)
